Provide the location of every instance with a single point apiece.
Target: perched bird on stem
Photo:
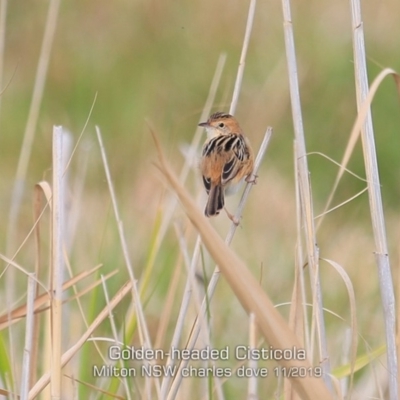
(227, 160)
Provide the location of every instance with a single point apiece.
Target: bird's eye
(221, 124)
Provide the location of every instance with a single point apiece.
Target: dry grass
(118, 251)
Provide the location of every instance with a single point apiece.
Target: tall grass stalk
(57, 239)
(307, 219)
(252, 383)
(29, 333)
(298, 316)
(115, 332)
(137, 304)
(242, 61)
(3, 14)
(375, 199)
(122, 238)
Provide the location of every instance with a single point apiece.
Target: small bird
(227, 159)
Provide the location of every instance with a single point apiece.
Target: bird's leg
(232, 217)
(251, 179)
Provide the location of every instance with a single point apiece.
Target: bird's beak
(204, 124)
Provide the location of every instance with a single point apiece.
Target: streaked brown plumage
(227, 158)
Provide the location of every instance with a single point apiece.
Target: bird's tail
(215, 201)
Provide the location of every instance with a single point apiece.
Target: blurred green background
(154, 60)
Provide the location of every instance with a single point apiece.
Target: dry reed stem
(305, 191)
(191, 287)
(375, 199)
(142, 324)
(40, 189)
(398, 316)
(242, 61)
(298, 317)
(114, 329)
(190, 283)
(187, 294)
(246, 288)
(29, 334)
(252, 363)
(57, 238)
(3, 15)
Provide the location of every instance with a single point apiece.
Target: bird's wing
(234, 147)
